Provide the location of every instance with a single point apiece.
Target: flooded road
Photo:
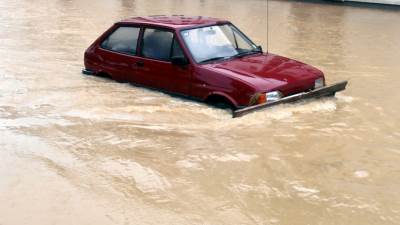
(77, 149)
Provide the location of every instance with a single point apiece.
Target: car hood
(268, 72)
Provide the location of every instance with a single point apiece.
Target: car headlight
(273, 96)
(319, 83)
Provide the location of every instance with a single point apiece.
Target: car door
(155, 69)
(118, 53)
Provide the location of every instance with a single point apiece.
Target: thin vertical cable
(267, 26)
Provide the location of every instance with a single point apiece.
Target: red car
(203, 58)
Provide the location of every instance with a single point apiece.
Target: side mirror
(179, 60)
(259, 48)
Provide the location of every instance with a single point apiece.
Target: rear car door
(155, 69)
(118, 53)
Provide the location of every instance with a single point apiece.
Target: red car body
(234, 81)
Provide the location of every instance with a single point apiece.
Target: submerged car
(202, 58)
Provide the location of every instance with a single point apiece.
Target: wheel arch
(214, 97)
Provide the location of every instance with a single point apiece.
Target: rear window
(123, 39)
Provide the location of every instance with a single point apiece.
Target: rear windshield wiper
(214, 58)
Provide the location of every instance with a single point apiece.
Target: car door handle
(139, 63)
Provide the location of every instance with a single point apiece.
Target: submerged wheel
(220, 102)
(223, 105)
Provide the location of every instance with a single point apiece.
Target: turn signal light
(258, 98)
(261, 99)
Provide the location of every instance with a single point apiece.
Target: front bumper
(316, 93)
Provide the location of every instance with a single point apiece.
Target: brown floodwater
(78, 149)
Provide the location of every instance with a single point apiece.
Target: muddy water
(84, 150)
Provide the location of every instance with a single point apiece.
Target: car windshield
(217, 42)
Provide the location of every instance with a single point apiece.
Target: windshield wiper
(214, 58)
(253, 51)
(241, 54)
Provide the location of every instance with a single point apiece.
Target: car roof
(174, 21)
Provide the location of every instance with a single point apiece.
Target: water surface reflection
(93, 151)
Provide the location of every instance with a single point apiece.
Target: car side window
(157, 44)
(123, 39)
(176, 49)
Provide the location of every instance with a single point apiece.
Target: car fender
(208, 81)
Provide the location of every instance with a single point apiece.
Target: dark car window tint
(176, 49)
(124, 40)
(157, 44)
